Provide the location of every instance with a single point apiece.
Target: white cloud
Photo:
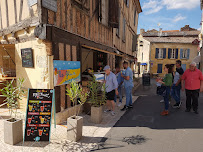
(181, 4)
(154, 6)
(179, 17)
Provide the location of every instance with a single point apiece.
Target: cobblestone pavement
(92, 135)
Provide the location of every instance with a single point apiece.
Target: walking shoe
(124, 108)
(130, 106)
(187, 110)
(196, 112)
(165, 113)
(107, 110)
(179, 105)
(162, 101)
(113, 113)
(176, 105)
(119, 104)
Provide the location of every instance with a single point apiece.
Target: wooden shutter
(134, 45)
(135, 16)
(113, 13)
(184, 67)
(124, 29)
(181, 53)
(176, 53)
(159, 68)
(164, 53)
(188, 54)
(169, 53)
(157, 53)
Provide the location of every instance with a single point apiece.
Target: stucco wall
(193, 54)
(38, 76)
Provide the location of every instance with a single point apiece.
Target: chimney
(142, 31)
(160, 31)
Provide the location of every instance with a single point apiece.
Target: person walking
(167, 82)
(120, 85)
(192, 83)
(176, 87)
(128, 85)
(111, 89)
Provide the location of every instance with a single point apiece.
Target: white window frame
(161, 53)
(173, 53)
(184, 54)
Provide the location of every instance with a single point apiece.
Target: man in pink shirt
(192, 82)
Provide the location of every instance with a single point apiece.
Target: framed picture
(27, 57)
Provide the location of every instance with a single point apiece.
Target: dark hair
(179, 62)
(125, 62)
(169, 67)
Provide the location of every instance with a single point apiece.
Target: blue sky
(169, 14)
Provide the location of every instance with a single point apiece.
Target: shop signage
(66, 71)
(32, 2)
(39, 114)
(27, 57)
(50, 4)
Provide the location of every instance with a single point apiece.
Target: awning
(96, 49)
(143, 64)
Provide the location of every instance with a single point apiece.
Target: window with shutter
(184, 53)
(104, 12)
(124, 24)
(135, 15)
(159, 68)
(173, 53)
(160, 53)
(118, 29)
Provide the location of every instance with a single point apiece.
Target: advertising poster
(66, 71)
(38, 116)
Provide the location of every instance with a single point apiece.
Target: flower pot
(13, 131)
(74, 128)
(96, 114)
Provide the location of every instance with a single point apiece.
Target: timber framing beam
(34, 21)
(57, 35)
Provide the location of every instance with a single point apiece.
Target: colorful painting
(66, 71)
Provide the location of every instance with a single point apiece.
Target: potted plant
(97, 99)
(75, 122)
(13, 127)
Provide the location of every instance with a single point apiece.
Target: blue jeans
(128, 93)
(166, 97)
(175, 93)
(120, 94)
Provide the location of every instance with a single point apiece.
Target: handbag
(161, 90)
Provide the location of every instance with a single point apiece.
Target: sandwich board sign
(39, 114)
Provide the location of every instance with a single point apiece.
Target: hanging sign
(66, 71)
(27, 57)
(38, 115)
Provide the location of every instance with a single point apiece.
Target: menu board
(38, 118)
(27, 57)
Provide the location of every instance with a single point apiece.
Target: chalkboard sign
(38, 115)
(27, 57)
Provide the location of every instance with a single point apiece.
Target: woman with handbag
(167, 83)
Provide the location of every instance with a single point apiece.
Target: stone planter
(13, 131)
(96, 114)
(74, 128)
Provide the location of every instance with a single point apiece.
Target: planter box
(13, 131)
(74, 128)
(96, 114)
